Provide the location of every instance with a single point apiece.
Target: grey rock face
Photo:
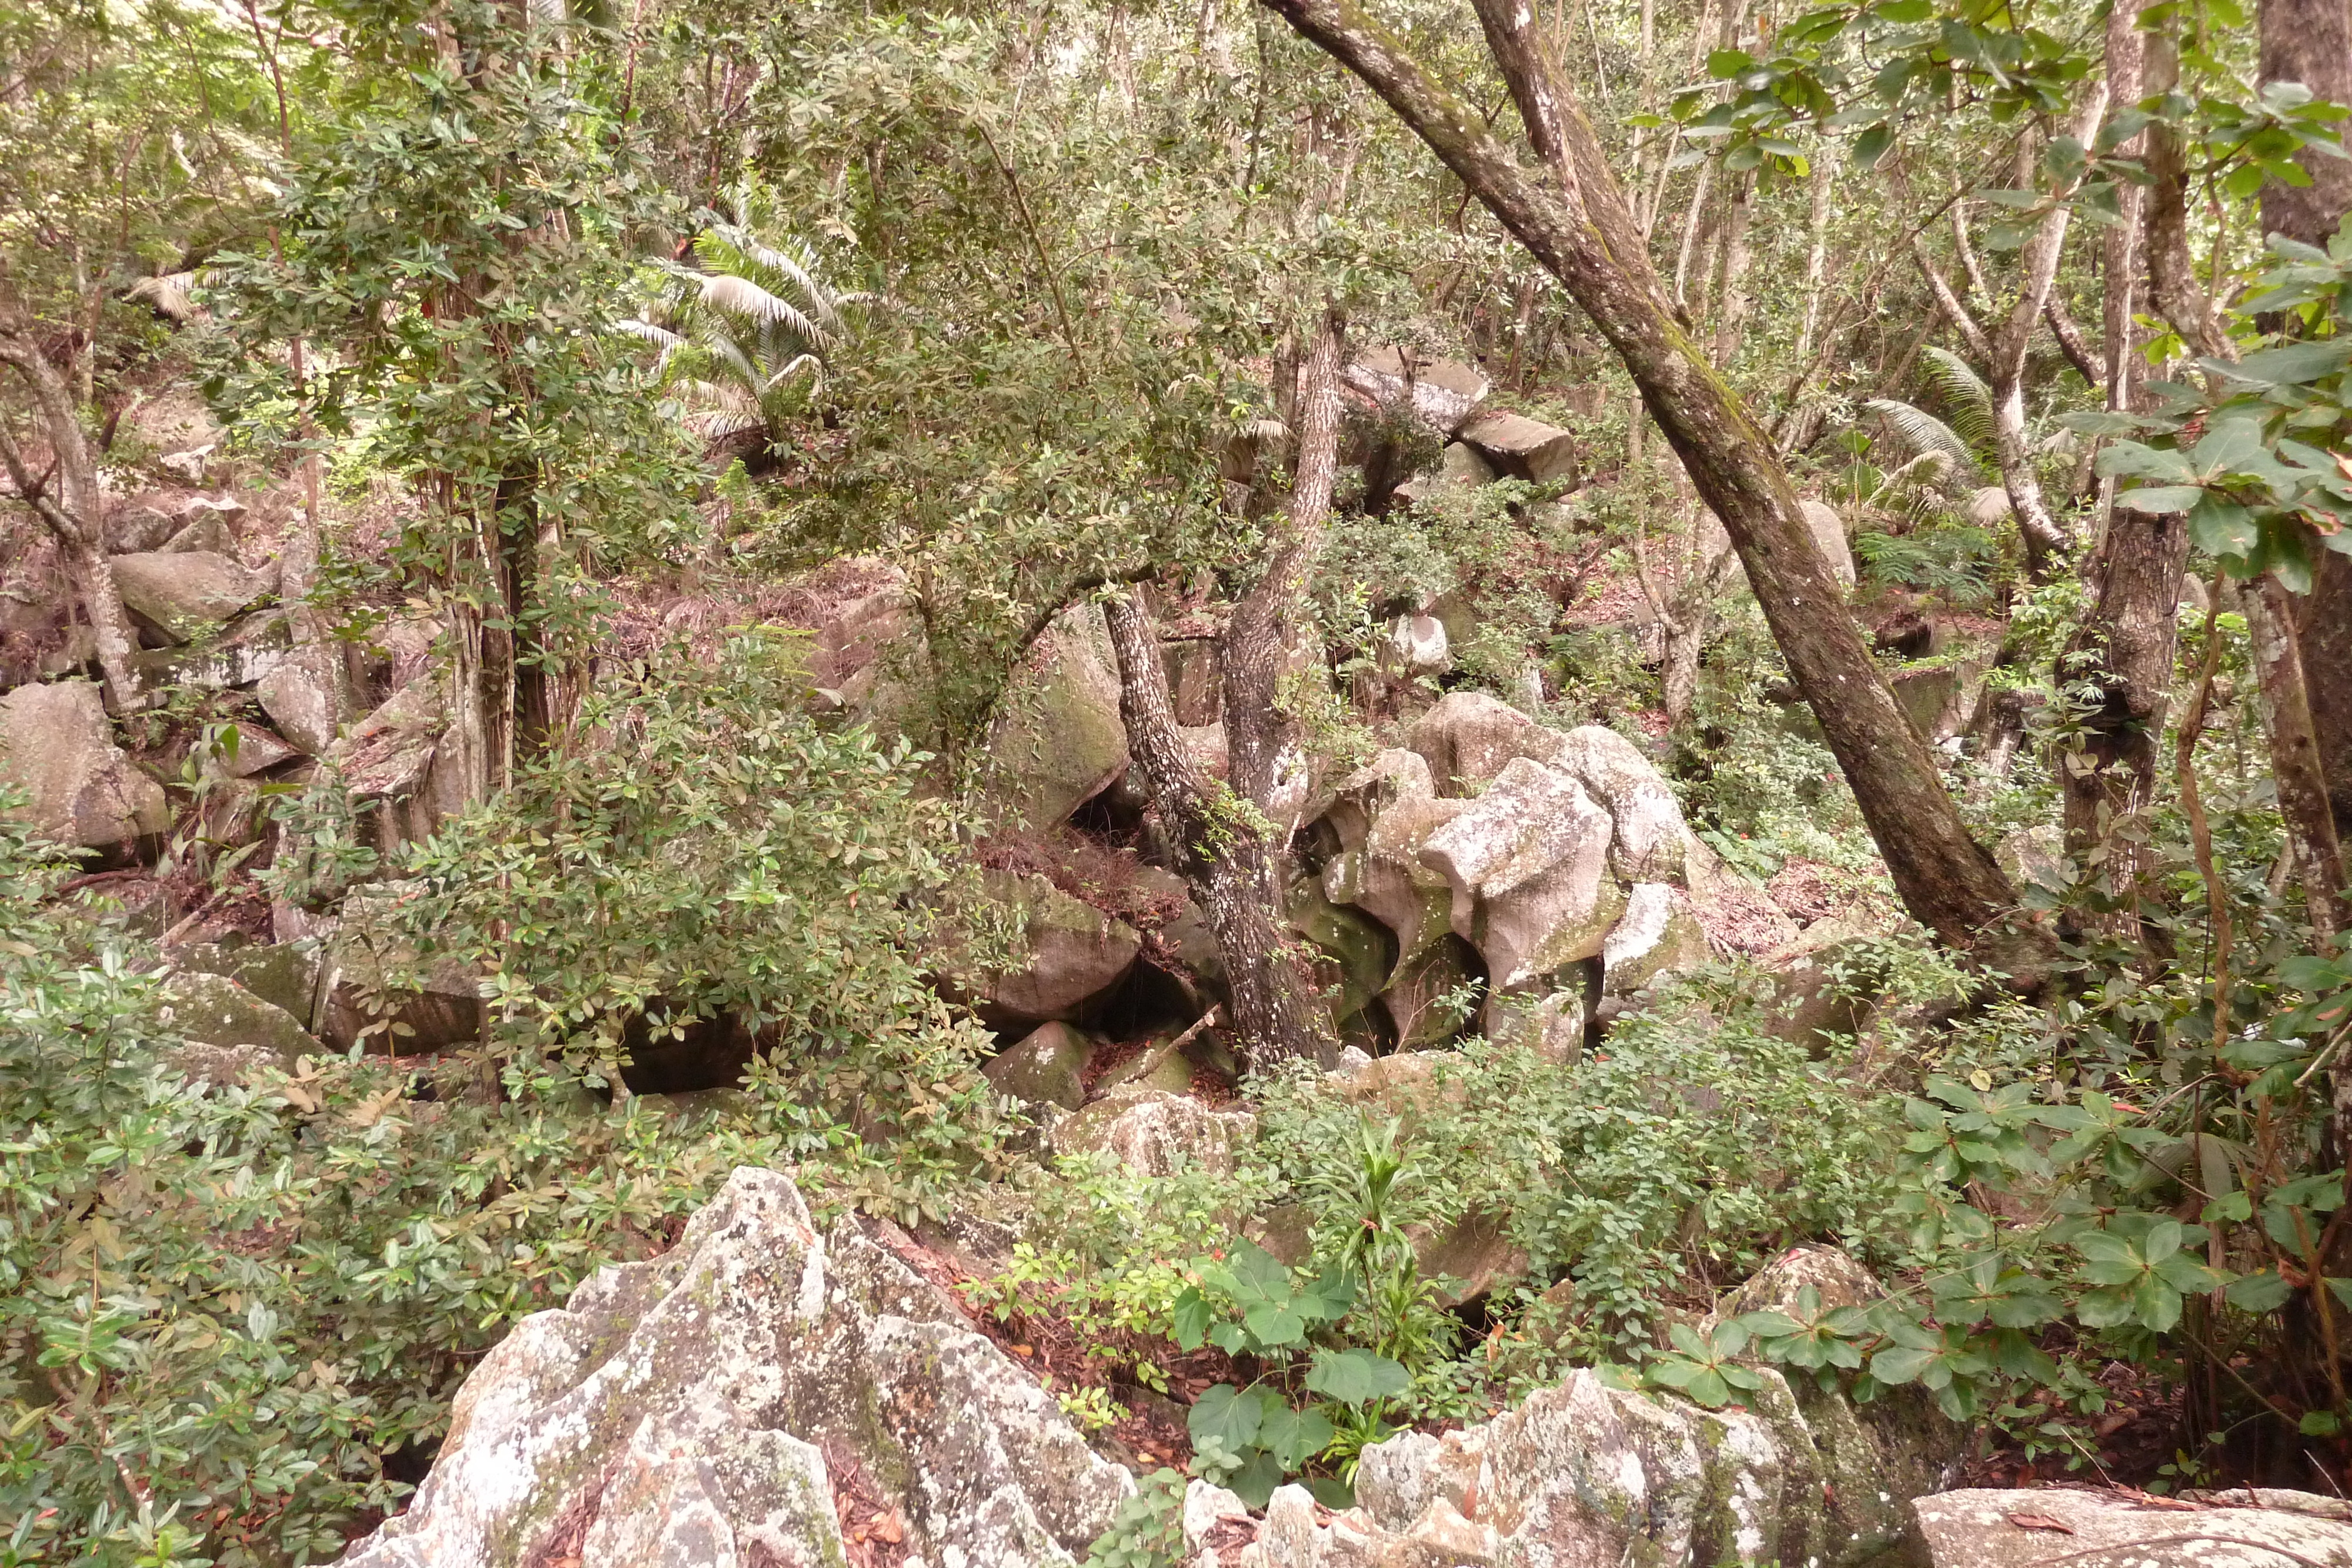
(1043, 1068)
(1523, 448)
(691, 1410)
(1528, 863)
(1829, 536)
(1978, 1530)
(1157, 1133)
(1583, 1475)
(1072, 953)
(1061, 738)
(82, 790)
(173, 596)
(212, 1009)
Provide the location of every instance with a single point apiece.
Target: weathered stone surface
(1156, 1132)
(208, 525)
(248, 649)
(1469, 737)
(1656, 937)
(1416, 995)
(1813, 1002)
(1648, 835)
(82, 789)
(1196, 686)
(1527, 863)
(1059, 738)
(1521, 447)
(140, 524)
(1829, 536)
(308, 697)
(223, 1066)
(1939, 697)
(1475, 1253)
(1071, 953)
(2037, 853)
(174, 597)
(1551, 1026)
(1415, 647)
(247, 750)
(1045, 1067)
(682, 1411)
(1358, 945)
(1458, 468)
(283, 974)
(1441, 393)
(1979, 1529)
(212, 1009)
(872, 658)
(1584, 1475)
(1383, 814)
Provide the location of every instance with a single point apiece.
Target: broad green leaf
(1230, 1415)
(1294, 1436)
(2263, 1292)
(2160, 498)
(1357, 1377)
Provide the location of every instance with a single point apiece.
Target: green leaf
(2221, 527)
(2263, 1292)
(1872, 145)
(1357, 1377)
(1900, 1363)
(1275, 1324)
(1230, 1415)
(1294, 1436)
(2160, 498)
(1191, 1318)
(1254, 1482)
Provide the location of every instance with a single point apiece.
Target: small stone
(1046, 1067)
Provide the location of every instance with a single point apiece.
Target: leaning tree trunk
(1574, 220)
(1228, 832)
(1226, 855)
(71, 505)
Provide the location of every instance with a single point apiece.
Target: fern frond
(1919, 433)
(1964, 397)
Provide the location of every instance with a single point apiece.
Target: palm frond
(735, 295)
(779, 267)
(1919, 433)
(1964, 397)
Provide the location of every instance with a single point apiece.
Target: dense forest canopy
(1756, 594)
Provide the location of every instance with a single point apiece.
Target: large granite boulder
(871, 657)
(1059, 737)
(212, 1009)
(1046, 1067)
(709, 1407)
(1521, 447)
(1383, 813)
(2264, 1527)
(1070, 953)
(1441, 393)
(1527, 863)
(1657, 937)
(175, 596)
(1156, 1132)
(1829, 536)
(81, 789)
(1587, 1475)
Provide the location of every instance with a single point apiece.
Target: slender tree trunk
(2295, 754)
(1731, 296)
(2124, 651)
(1230, 834)
(71, 505)
(1574, 220)
(1226, 859)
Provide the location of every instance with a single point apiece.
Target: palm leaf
(734, 295)
(1965, 398)
(1919, 433)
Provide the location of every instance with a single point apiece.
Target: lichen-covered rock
(1441, 393)
(1829, 536)
(1527, 863)
(871, 656)
(1585, 1475)
(1383, 813)
(212, 1009)
(1521, 447)
(1416, 646)
(247, 650)
(1658, 936)
(1060, 738)
(1982, 1528)
(1156, 1132)
(1070, 952)
(1469, 737)
(80, 787)
(683, 1410)
(174, 596)
(1647, 834)
(1045, 1067)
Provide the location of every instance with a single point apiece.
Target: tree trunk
(2294, 755)
(1575, 222)
(71, 505)
(2124, 651)
(1226, 856)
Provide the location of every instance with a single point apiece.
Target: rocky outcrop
(1586, 1475)
(1154, 1131)
(81, 789)
(705, 1406)
(212, 1009)
(1046, 1067)
(1541, 848)
(1527, 863)
(175, 596)
(1521, 447)
(1059, 738)
(2012, 1529)
(1069, 954)
(1441, 393)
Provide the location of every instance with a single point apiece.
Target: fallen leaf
(2041, 1521)
(888, 1530)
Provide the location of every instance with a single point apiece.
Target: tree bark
(2308, 41)
(1225, 857)
(2124, 653)
(2294, 755)
(70, 504)
(1228, 832)
(1575, 222)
